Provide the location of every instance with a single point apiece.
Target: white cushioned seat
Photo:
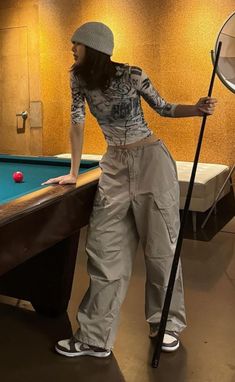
(84, 156)
(208, 181)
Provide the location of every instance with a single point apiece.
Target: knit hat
(95, 35)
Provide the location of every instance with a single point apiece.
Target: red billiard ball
(18, 176)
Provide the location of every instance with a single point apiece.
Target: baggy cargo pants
(137, 199)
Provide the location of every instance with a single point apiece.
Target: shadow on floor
(207, 262)
(28, 340)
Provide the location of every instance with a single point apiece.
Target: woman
(137, 197)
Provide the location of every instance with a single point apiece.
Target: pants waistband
(152, 138)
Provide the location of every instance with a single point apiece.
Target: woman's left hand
(205, 105)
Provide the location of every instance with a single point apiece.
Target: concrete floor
(208, 344)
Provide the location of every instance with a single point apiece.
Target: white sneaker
(171, 341)
(71, 347)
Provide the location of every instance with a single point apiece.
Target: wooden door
(14, 90)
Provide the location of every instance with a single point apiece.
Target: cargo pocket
(168, 205)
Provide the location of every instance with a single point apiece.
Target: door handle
(24, 114)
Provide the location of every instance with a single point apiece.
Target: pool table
(39, 229)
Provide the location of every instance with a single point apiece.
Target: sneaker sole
(84, 352)
(169, 349)
(166, 348)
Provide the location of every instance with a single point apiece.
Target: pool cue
(167, 302)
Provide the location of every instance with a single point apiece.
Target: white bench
(208, 181)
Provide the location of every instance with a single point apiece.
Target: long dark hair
(97, 70)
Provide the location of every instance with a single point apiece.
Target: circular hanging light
(226, 64)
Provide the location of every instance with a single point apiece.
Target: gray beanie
(95, 35)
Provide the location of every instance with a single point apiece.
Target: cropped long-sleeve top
(118, 109)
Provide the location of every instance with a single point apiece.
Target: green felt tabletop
(36, 170)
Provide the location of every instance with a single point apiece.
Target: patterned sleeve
(150, 94)
(78, 101)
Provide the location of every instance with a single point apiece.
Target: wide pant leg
(156, 211)
(111, 246)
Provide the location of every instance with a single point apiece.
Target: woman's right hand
(64, 179)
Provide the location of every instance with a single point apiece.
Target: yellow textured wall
(171, 40)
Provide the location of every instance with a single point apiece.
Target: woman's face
(78, 52)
